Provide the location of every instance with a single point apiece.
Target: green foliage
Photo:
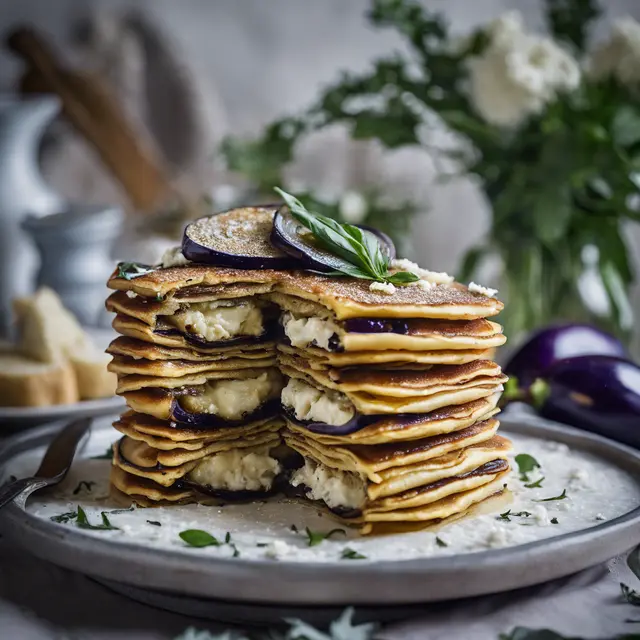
(565, 179)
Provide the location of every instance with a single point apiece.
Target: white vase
(22, 191)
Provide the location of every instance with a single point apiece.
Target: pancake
(166, 467)
(147, 493)
(405, 428)
(126, 365)
(132, 348)
(387, 358)
(345, 297)
(218, 402)
(165, 435)
(369, 460)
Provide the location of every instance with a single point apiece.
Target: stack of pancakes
(240, 383)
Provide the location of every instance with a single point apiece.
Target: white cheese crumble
(305, 331)
(485, 291)
(541, 515)
(173, 257)
(231, 399)
(425, 285)
(497, 538)
(279, 549)
(600, 516)
(237, 470)
(383, 287)
(334, 487)
(434, 277)
(310, 403)
(131, 294)
(220, 320)
(578, 479)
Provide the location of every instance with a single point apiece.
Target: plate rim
(232, 578)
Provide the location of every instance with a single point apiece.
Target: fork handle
(14, 489)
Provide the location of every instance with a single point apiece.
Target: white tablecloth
(39, 601)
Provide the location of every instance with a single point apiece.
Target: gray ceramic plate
(295, 583)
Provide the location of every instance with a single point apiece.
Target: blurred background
(157, 104)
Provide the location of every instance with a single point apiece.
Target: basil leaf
(131, 270)
(402, 277)
(351, 554)
(198, 538)
(562, 496)
(316, 537)
(526, 464)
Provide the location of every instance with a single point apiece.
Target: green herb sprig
(562, 496)
(83, 522)
(131, 270)
(507, 515)
(440, 542)
(535, 485)
(360, 253)
(316, 537)
(351, 554)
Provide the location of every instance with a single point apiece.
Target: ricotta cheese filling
(237, 470)
(311, 404)
(173, 257)
(335, 488)
(220, 320)
(232, 399)
(303, 332)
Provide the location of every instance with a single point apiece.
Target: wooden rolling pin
(91, 109)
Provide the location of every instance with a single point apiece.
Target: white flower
(620, 55)
(353, 207)
(518, 73)
(383, 287)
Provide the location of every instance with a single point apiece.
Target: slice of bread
(94, 381)
(28, 383)
(48, 331)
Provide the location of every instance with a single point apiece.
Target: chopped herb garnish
(631, 596)
(554, 521)
(359, 253)
(562, 496)
(535, 485)
(227, 538)
(262, 544)
(65, 517)
(155, 523)
(316, 537)
(351, 554)
(83, 522)
(526, 464)
(199, 538)
(87, 484)
(115, 511)
(440, 542)
(131, 270)
(159, 297)
(294, 528)
(507, 515)
(632, 620)
(236, 553)
(107, 455)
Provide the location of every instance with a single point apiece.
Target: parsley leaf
(535, 485)
(131, 270)
(440, 542)
(631, 596)
(199, 538)
(562, 496)
(316, 537)
(526, 464)
(351, 554)
(83, 522)
(87, 484)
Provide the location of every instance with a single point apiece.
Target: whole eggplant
(557, 342)
(598, 393)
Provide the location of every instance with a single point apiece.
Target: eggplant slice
(239, 238)
(297, 241)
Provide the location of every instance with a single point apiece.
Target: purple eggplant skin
(598, 393)
(557, 342)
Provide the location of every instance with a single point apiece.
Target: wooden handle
(99, 119)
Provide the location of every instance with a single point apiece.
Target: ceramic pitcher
(22, 191)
